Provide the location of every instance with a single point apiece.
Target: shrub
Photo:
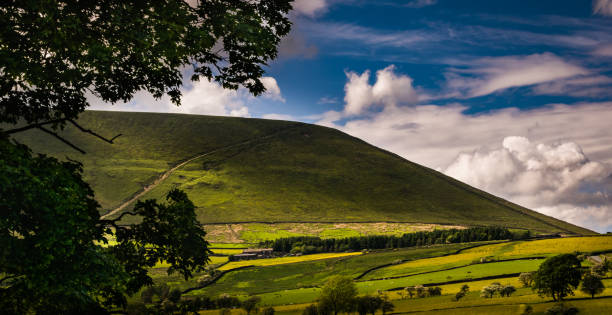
(562, 309)
(268, 311)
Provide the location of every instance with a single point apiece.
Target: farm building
(252, 253)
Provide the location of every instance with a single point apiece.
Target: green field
(293, 284)
(498, 252)
(254, 233)
(292, 287)
(257, 280)
(275, 171)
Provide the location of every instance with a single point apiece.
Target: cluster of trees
(419, 291)
(58, 55)
(311, 244)
(560, 275)
(497, 288)
(339, 295)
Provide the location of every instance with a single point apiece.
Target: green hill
(255, 170)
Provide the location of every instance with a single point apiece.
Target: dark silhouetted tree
(592, 285)
(53, 54)
(557, 276)
(507, 290)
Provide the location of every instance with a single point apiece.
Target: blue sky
(513, 97)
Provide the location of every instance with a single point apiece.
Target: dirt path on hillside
(169, 172)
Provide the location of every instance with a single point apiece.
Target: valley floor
(292, 283)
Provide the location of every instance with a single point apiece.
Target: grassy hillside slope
(284, 172)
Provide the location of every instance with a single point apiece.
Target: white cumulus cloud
(557, 179)
(547, 172)
(389, 89)
(272, 90)
(278, 117)
(201, 97)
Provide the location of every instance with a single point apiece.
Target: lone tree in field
(338, 294)
(54, 56)
(592, 285)
(462, 292)
(558, 276)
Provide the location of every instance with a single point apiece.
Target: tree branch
(7, 278)
(36, 125)
(60, 138)
(89, 131)
(119, 217)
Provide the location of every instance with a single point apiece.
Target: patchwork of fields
(291, 283)
(502, 251)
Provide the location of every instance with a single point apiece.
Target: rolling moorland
(269, 171)
(254, 180)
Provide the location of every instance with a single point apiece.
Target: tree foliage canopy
(338, 294)
(56, 55)
(592, 285)
(53, 245)
(558, 276)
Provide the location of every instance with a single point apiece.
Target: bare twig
(36, 125)
(60, 138)
(91, 132)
